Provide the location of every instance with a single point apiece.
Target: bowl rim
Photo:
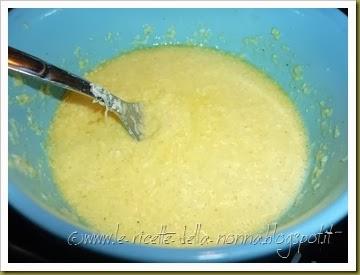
(323, 219)
(32, 210)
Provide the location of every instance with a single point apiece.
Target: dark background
(30, 243)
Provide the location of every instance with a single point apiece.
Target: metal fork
(130, 114)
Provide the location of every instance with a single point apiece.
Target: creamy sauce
(224, 147)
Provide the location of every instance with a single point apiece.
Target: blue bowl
(304, 50)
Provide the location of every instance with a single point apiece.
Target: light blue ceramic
(304, 50)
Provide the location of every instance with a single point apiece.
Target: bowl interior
(304, 50)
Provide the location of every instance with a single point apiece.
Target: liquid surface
(224, 147)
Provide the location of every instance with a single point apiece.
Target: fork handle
(30, 65)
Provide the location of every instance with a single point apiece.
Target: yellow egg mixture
(224, 147)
